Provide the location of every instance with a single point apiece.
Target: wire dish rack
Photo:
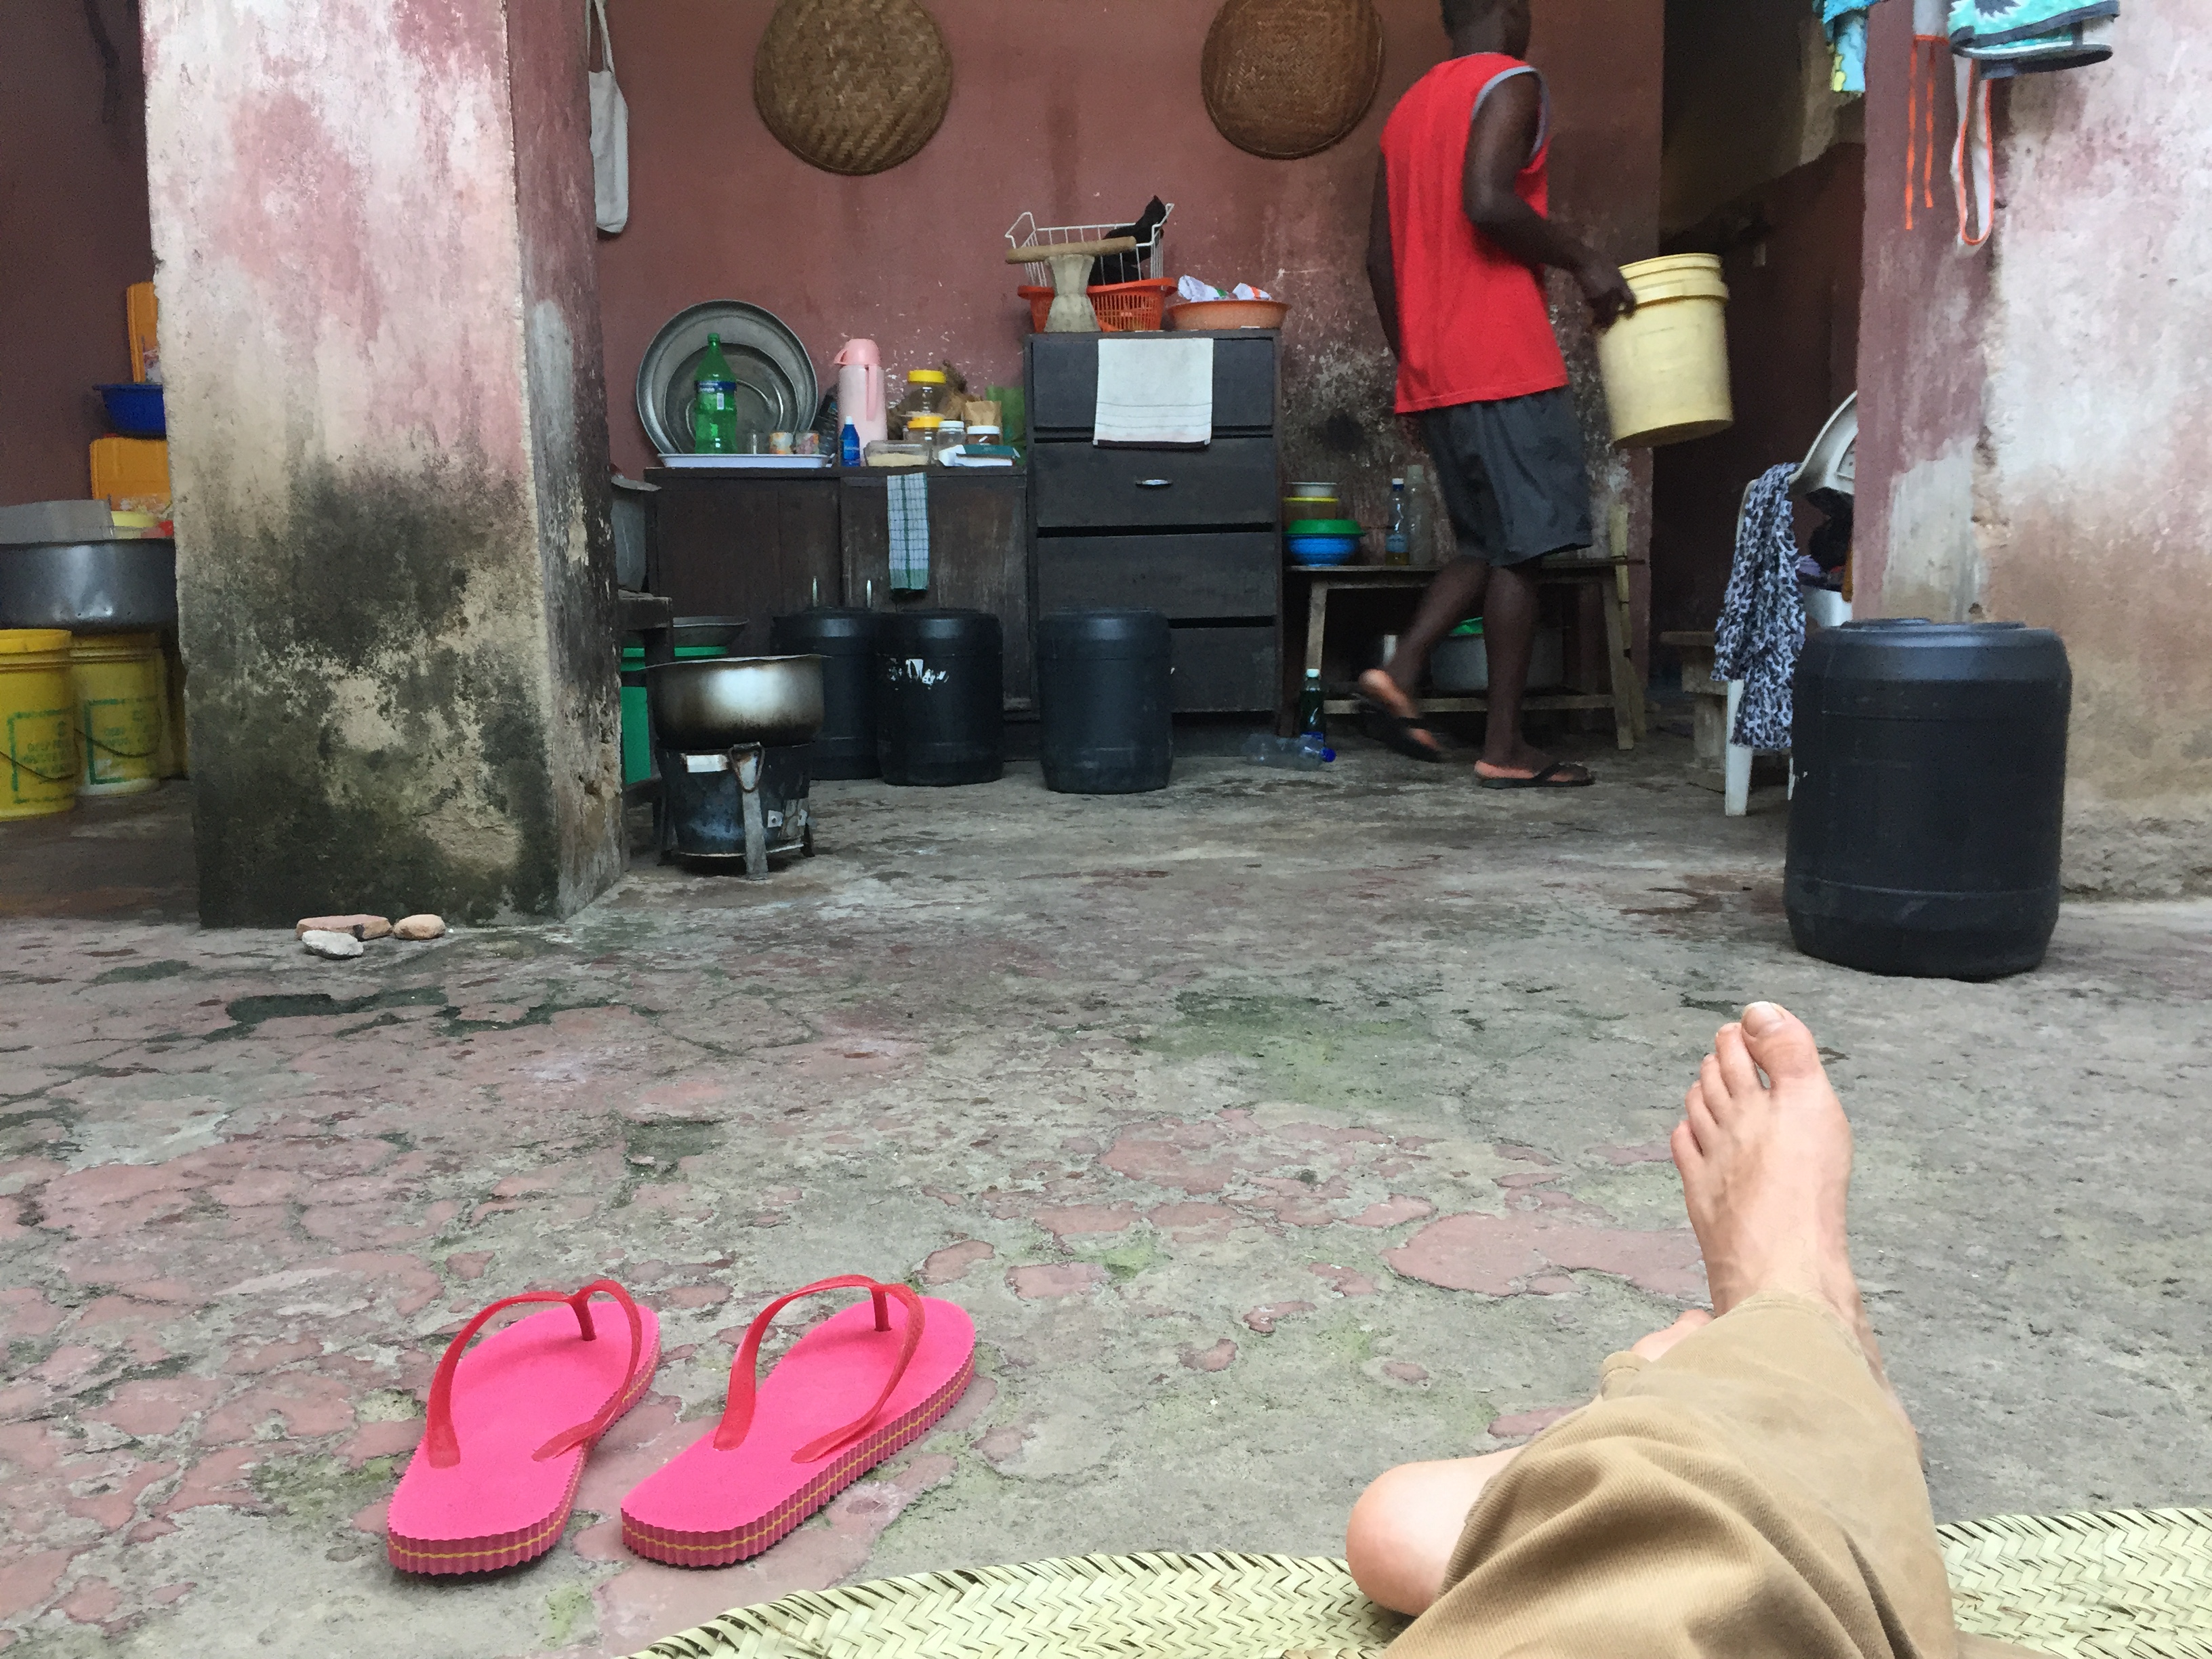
(1026, 233)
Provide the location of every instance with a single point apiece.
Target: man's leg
(1400, 1540)
(1755, 1490)
(1456, 594)
(1509, 628)
(1461, 589)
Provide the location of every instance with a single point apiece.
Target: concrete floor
(1274, 1129)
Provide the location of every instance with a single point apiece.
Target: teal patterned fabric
(2019, 37)
(1845, 24)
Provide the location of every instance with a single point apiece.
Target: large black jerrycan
(1929, 762)
(1105, 702)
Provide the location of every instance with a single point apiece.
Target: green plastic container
(636, 722)
(1323, 527)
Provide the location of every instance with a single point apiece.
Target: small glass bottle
(1312, 716)
(1396, 545)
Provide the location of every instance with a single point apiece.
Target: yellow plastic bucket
(121, 692)
(38, 723)
(1666, 368)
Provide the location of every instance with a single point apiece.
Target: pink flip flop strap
(443, 1447)
(745, 1371)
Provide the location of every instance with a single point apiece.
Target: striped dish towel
(909, 526)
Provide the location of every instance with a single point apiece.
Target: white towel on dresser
(1154, 394)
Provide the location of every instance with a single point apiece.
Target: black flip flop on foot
(1396, 732)
(1552, 777)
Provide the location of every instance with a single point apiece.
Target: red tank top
(1473, 325)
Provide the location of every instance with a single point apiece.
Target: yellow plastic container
(120, 687)
(130, 469)
(1666, 368)
(141, 316)
(38, 724)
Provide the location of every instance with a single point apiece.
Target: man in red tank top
(1457, 248)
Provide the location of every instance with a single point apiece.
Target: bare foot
(1376, 686)
(1766, 1169)
(1379, 689)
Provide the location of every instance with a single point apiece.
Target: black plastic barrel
(940, 691)
(845, 642)
(1104, 701)
(1930, 781)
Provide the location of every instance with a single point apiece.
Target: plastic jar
(925, 390)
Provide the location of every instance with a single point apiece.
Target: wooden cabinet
(1194, 534)
(761, 544)
(978, 556)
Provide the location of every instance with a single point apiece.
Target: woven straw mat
(2131, 1584)
(851, 86)
(1285, 78)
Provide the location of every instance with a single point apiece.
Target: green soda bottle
(715, 410)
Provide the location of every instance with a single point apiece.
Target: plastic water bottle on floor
(1304, 753)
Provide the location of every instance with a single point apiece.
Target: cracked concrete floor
(1274, 1129)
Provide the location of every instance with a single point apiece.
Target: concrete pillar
(380, 323)
(2033, 434)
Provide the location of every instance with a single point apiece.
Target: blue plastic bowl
(1321, 550)
(136, 411)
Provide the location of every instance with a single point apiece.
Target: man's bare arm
(1505, 132)
(1382, 262)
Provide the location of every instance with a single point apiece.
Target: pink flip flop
(509, 1428)
(850, 1395)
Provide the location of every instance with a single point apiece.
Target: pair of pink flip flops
(512, 1420)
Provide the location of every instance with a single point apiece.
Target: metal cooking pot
(718, 702)
(89, 588)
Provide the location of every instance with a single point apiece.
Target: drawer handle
(1154, 483)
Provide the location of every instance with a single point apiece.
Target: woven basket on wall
(1286, 78)
(851, 86)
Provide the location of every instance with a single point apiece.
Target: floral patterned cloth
(1762, 624)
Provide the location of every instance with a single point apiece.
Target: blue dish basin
(1321, 550)
(136, 410)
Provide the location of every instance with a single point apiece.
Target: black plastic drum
(1104, 701)
(940, 710)
(846, 642)
(1930, 783)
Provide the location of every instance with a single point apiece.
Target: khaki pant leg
(1753, 1493)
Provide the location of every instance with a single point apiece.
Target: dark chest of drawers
(1196, 533)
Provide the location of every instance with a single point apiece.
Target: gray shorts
(1512, 476)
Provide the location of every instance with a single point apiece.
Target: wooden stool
(1710, 710)
(1609, 576)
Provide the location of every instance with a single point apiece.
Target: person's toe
(1720, 1100)
(1738, 1075)
(1683, 1143)
(1780, 1042)
(1704, 1130)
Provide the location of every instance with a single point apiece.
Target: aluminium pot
(121, 586)
(712, 703)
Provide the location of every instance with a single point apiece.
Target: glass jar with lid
(925, 391)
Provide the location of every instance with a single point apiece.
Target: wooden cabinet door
(753, 546)
(978, 557)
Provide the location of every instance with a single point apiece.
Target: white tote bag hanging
(609, 127)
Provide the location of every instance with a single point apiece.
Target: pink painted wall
(1077, 111)
(74, 233)
(2036, 420)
